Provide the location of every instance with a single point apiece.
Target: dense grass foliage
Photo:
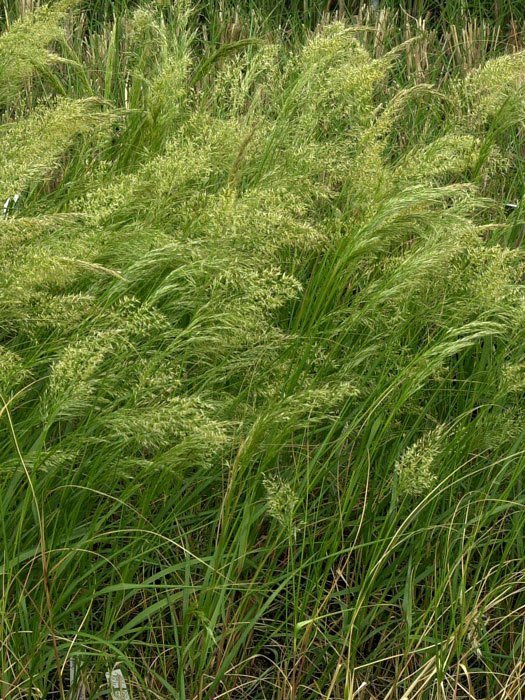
(497, 11)
(262, 365)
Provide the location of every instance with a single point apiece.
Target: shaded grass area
(261, 359)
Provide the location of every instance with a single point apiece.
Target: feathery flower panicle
(281, 503)
(168, 91)
(476, 632)
(31, 147)
(448, 156)
(513, 378)
(314, 402)
(144, 34)
(181, 425)
(103, 201)
(494, 275)
(24, 49)
(334, 45)
(16, 233)
(415, 468)
(245, 80)
(155, 383)
(336, 83)
(44, 311)
(58, 459)
(267, 289)
(12, 371)
(75, 376)
(493, 84)
(137, 320)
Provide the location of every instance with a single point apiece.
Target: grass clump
(25, 50)
(261, 371)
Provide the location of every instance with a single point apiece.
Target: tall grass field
(262, 350)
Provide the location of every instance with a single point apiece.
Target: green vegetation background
(262, 350)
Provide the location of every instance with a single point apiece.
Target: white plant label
(117, 685)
